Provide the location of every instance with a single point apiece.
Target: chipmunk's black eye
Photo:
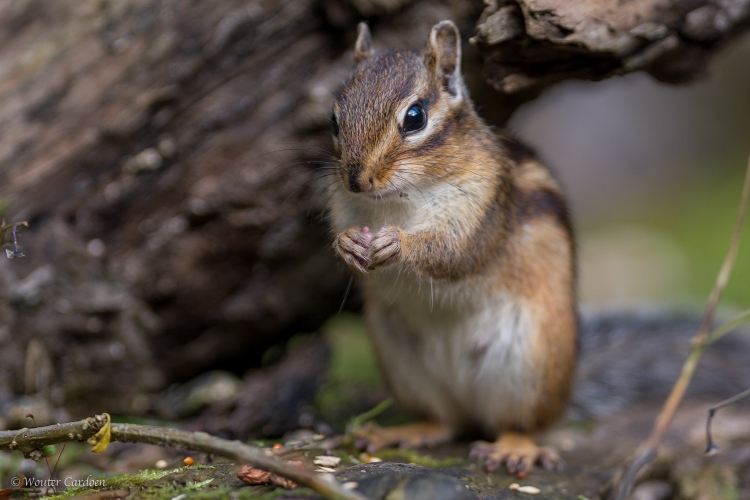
(335, 125)
(415, 119)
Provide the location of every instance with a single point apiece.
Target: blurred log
(529, 45)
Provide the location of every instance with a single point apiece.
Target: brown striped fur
(463, 244)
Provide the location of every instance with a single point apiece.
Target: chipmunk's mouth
(383, 195)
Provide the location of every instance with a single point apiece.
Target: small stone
(161, 464)
(327, 461)
(325, 469)
(529, 490)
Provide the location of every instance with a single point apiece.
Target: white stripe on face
(435, 116)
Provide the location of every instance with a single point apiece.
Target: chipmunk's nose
(360, 183)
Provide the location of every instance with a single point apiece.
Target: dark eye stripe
(335, 124)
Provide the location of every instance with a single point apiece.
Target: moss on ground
(143, 483)
(414, 457)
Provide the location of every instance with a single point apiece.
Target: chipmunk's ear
(363, 46)
(443, 56)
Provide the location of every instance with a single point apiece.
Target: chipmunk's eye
(415, 119)
(335, 125)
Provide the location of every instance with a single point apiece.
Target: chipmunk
(464, 249)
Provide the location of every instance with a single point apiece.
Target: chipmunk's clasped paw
(353, 246)
(386, 247)
(518, 453)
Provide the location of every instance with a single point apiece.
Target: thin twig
(647, 450)
(710, 446)
(724, 329)
(30, 441)
(16, 252)
(361, 419)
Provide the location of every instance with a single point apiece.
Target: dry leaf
(101, 439)
(251, 475)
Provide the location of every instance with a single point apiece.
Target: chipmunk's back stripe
(438, 137)
(447, 128)
(543, 201)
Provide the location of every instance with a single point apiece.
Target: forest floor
(593, 454)
(593, 451)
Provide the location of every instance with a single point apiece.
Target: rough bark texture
(158, 148)
(531, 44)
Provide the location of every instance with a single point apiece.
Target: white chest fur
(463, 362)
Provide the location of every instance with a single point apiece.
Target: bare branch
(30, 441)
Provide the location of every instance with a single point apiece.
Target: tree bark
(531, 44)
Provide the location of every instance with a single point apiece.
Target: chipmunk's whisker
(305, 184)
(328, 200)
(317, 193)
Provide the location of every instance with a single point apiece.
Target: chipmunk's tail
(627, 359)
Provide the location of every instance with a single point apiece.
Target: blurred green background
(654, 174)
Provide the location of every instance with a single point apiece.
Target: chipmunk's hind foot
(517, 452)
(372, 437)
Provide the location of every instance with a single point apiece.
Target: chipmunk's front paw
(385, 248)
(353, 246)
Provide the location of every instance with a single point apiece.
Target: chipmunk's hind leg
(517, 452)
(372, 437)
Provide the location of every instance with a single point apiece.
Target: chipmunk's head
(396, 118)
